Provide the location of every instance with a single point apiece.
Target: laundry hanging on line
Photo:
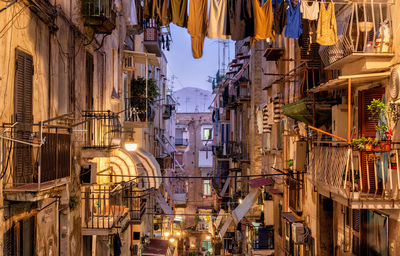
(240, 19)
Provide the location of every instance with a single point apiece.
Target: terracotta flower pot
(388, 145)
(368, 147)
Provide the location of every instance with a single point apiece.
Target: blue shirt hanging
(293, 27)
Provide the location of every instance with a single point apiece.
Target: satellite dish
(394, 83)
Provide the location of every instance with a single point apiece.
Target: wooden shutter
(23, 169)
(367, 128)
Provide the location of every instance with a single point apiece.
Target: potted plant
(358, 144)
(369, 144)
(378, 111)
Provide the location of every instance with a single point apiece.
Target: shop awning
(245, 206)
(302, 110)
(156, 247)
(359, 79)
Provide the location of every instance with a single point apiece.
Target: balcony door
(367, 128)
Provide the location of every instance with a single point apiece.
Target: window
(207, 187)
(207, 134)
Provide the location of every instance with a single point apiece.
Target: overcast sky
(189, 71)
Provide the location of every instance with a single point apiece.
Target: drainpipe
(49, 73)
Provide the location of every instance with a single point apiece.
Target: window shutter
(23, 170)
(367, 128)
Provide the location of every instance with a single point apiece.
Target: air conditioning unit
(394, 85)
(89, 173)
(129, 63)
(298, 233)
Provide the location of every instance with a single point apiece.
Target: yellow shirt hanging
(326, 29)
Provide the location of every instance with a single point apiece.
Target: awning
(241, 71)
(226, 185)
(245, 206)
(164, 205)
(225, 226)
(289, 216)
(258, 182)
(124, 166)
(359, 79)
(156, 247)
(169, 191)
(151, 165)
(221, 214)
(140, 57)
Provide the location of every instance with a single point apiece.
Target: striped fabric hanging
(267, 127)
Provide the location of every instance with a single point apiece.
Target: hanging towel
(326, 29)
(159, 10)
(293, 27)
(179, 12)
(197, 25)
(310, 12)
(279, 17)
(218, 19)
(263, 21)
(240, 18)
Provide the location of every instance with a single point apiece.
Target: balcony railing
(152, 40)
(105, 205)
(237, 150)
(181, 142)
(135, 110)
(103, 129)
(99, 15)
(361, 177)
(31, 166)
(364, 30)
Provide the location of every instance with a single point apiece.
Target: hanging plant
(73, 202)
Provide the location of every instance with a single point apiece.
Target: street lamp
(172, 239)
(166, 234)
(131, 146)
(208, 237)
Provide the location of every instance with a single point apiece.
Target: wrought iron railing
(135, 110)
(34, 156)
(98, 8)
(102, 129)
(355, 175)
(105, 205)
(237, 150)
(181, 142)
(361, 28)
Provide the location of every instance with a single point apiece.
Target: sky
(192, 72)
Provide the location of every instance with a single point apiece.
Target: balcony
(99, 15)
(238, 151)
(31, 168)
(181, 142)
(364, 39)
(331, 170)
(103, 129)
(135, 115)
(152, 40)
(106, 207)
